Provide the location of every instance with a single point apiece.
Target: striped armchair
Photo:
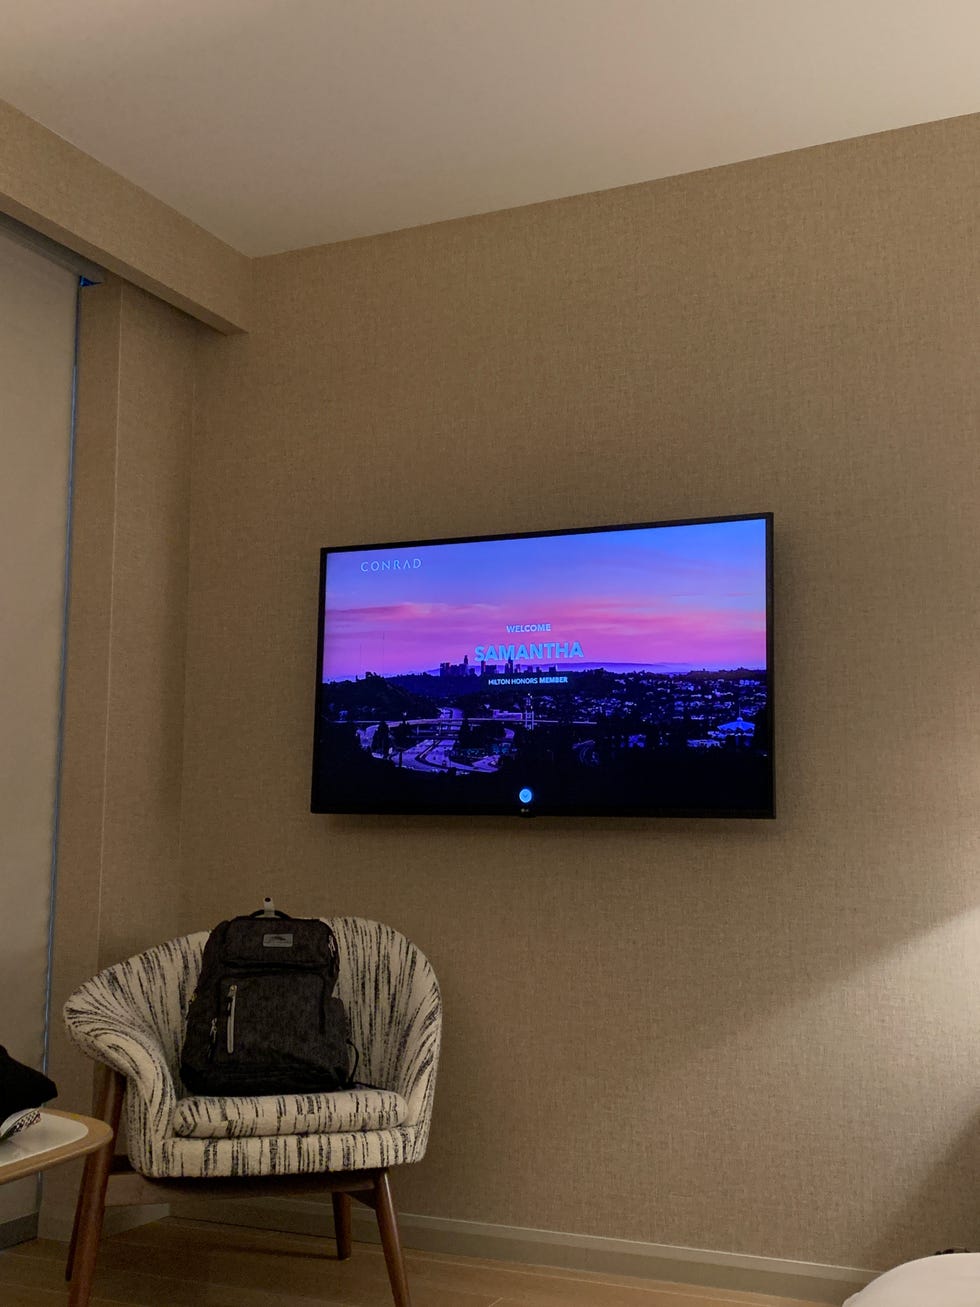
(131, 1018)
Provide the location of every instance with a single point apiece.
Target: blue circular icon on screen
(526, 795)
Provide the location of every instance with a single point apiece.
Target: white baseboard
(580, 1252)
(19, 1229)
(57, 1224)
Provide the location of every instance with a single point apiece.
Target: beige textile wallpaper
(758, 1037)
(37, 332)
(118, 881)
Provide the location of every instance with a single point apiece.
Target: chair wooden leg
(390, 1241)
(342, 1224)
(90, 1208)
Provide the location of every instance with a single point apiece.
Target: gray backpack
(264, 1018)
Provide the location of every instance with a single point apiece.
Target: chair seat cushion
(288, 1114)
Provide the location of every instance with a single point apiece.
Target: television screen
(611, 670)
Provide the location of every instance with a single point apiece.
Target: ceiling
(277, 124)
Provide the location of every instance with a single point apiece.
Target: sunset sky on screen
(680, 596)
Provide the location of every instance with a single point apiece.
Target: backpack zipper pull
(213, 1038)
(230, 1025)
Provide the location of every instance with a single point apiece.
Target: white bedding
(951, 1280)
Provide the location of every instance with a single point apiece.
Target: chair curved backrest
(392, 997)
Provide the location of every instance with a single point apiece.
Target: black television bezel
(767, 812)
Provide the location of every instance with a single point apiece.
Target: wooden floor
(180, 1263)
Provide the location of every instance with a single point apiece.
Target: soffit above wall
(280, 126)
(68, 197)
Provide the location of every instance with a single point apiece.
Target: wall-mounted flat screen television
(621, 670)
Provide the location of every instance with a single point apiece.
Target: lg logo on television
(391, 565)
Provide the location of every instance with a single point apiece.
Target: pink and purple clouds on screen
(670, 598)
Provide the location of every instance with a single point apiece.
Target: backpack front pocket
(271, 1019)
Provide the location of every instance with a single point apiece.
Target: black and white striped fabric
(132, 1017)
(289, 1114)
